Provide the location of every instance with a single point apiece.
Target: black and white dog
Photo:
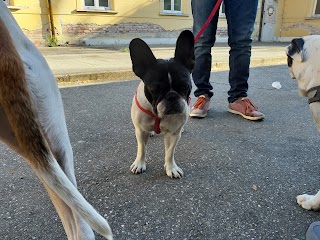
(161, 101)
(304, 65)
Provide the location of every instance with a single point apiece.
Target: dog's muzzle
(314, 94)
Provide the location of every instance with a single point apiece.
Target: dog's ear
(184, 52)
(295, 49)
(141, 56)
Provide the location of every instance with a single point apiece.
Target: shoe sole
(194, 115)
(313, 232)
(245, 116)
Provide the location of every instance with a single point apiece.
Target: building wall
(296, 18)
(126, 19)
(32, 17)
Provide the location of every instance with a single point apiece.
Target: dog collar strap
(155, 117)
(314, 94)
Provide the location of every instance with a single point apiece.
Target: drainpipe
(261, 19)
(52, 29)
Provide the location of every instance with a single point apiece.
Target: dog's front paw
(309, 202)
(174, 171)
(138, 167)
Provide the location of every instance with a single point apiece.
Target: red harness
(155, 117)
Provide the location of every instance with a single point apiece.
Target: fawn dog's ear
(184, 52)
(141, 56)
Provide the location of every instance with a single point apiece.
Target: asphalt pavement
(241, 177)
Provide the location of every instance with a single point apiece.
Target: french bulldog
(304, 65)
(161, 100)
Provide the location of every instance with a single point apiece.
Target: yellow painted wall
(30, 14)
(296, 18)
(69, 15)
(124, 11)
(32, 17)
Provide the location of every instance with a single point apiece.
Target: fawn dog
(32, 124)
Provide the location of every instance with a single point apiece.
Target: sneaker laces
(249, 105)
(201, 101)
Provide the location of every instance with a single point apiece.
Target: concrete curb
(95, 77)
(122, 75)
(223, 66)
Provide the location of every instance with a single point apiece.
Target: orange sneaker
(245, 108)
(201, 107)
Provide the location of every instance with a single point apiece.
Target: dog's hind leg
(64, 155)
(74, 228)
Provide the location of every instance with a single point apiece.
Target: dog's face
(294, 51)
(304, 62)
(167, 82)
(304, 65)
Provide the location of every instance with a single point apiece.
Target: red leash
(205, 25)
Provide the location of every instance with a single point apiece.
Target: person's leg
(241, 16)
(201, 10)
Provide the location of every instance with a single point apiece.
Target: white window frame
(172, 8)
(96, 6)
(6, 2)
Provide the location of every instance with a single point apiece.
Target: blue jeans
(241, 15)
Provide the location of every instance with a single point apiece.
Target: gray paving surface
(240, 182)
(87, 64)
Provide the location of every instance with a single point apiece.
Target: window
(6, 2)
(172, 6)
(97, 4)
(317, 7)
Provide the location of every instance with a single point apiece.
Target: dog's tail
(16, 101)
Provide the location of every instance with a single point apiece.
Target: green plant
(125, 49)
(52, 41)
